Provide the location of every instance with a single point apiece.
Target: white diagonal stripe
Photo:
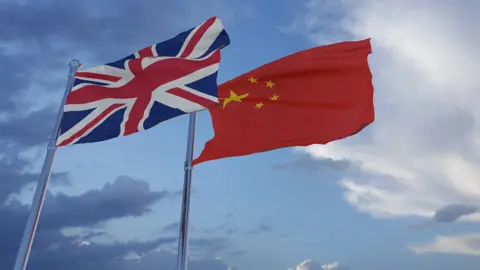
(207, 39)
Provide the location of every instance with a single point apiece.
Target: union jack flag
(157, 83)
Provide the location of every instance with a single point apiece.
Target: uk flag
(157, 83)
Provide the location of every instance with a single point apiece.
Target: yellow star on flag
(259, 105)
(269, 84)
(274, 97)
(234, 97)
(252, 80)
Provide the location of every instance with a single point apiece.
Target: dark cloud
(88, 235)
(238, 253)
(209, 246)
(230, 230)
(28, 130)
(60, 179)
(225, 228)
(453, 212)
(124, 197)
(309, 163)
(12, 77)
(262, 228)
(62, 210)
(13, 177)
(75, 255)
(54, 250)
(202, 246)
(92, 256)
(68, 253)
(167, 261)
(173, 227)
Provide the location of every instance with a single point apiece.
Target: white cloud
(309, 265)
(467, 244)
(313, 265)
(422, 152)
(333, 266)
(316, 25)
(168, 261)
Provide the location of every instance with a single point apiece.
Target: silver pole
(182, 256)
(37, 203)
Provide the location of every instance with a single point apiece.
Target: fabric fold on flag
(155, 84)
(310, 97)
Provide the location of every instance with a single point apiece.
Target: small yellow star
(274, 97)
(259, 105)
(269, 84)
(252, 80)
(233, 97)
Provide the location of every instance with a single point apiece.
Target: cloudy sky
(403, 194)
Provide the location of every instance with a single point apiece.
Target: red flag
(310, 97)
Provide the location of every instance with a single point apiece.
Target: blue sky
(403, 194)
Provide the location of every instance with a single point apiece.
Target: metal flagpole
(37, 203)
(182, 256)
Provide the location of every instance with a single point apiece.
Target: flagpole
(182, 256)
(37, 203)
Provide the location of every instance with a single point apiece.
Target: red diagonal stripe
(197, 36)
(145, 52)
(91, 75)
(136, 114)
(135, 66)
(92, 123)
(145, 82)
(207, 103)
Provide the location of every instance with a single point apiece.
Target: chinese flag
(310, 97)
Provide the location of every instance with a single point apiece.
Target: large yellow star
(234, 97)
(259, 105)
(269, 84)
(252, 80)
(274, 97)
